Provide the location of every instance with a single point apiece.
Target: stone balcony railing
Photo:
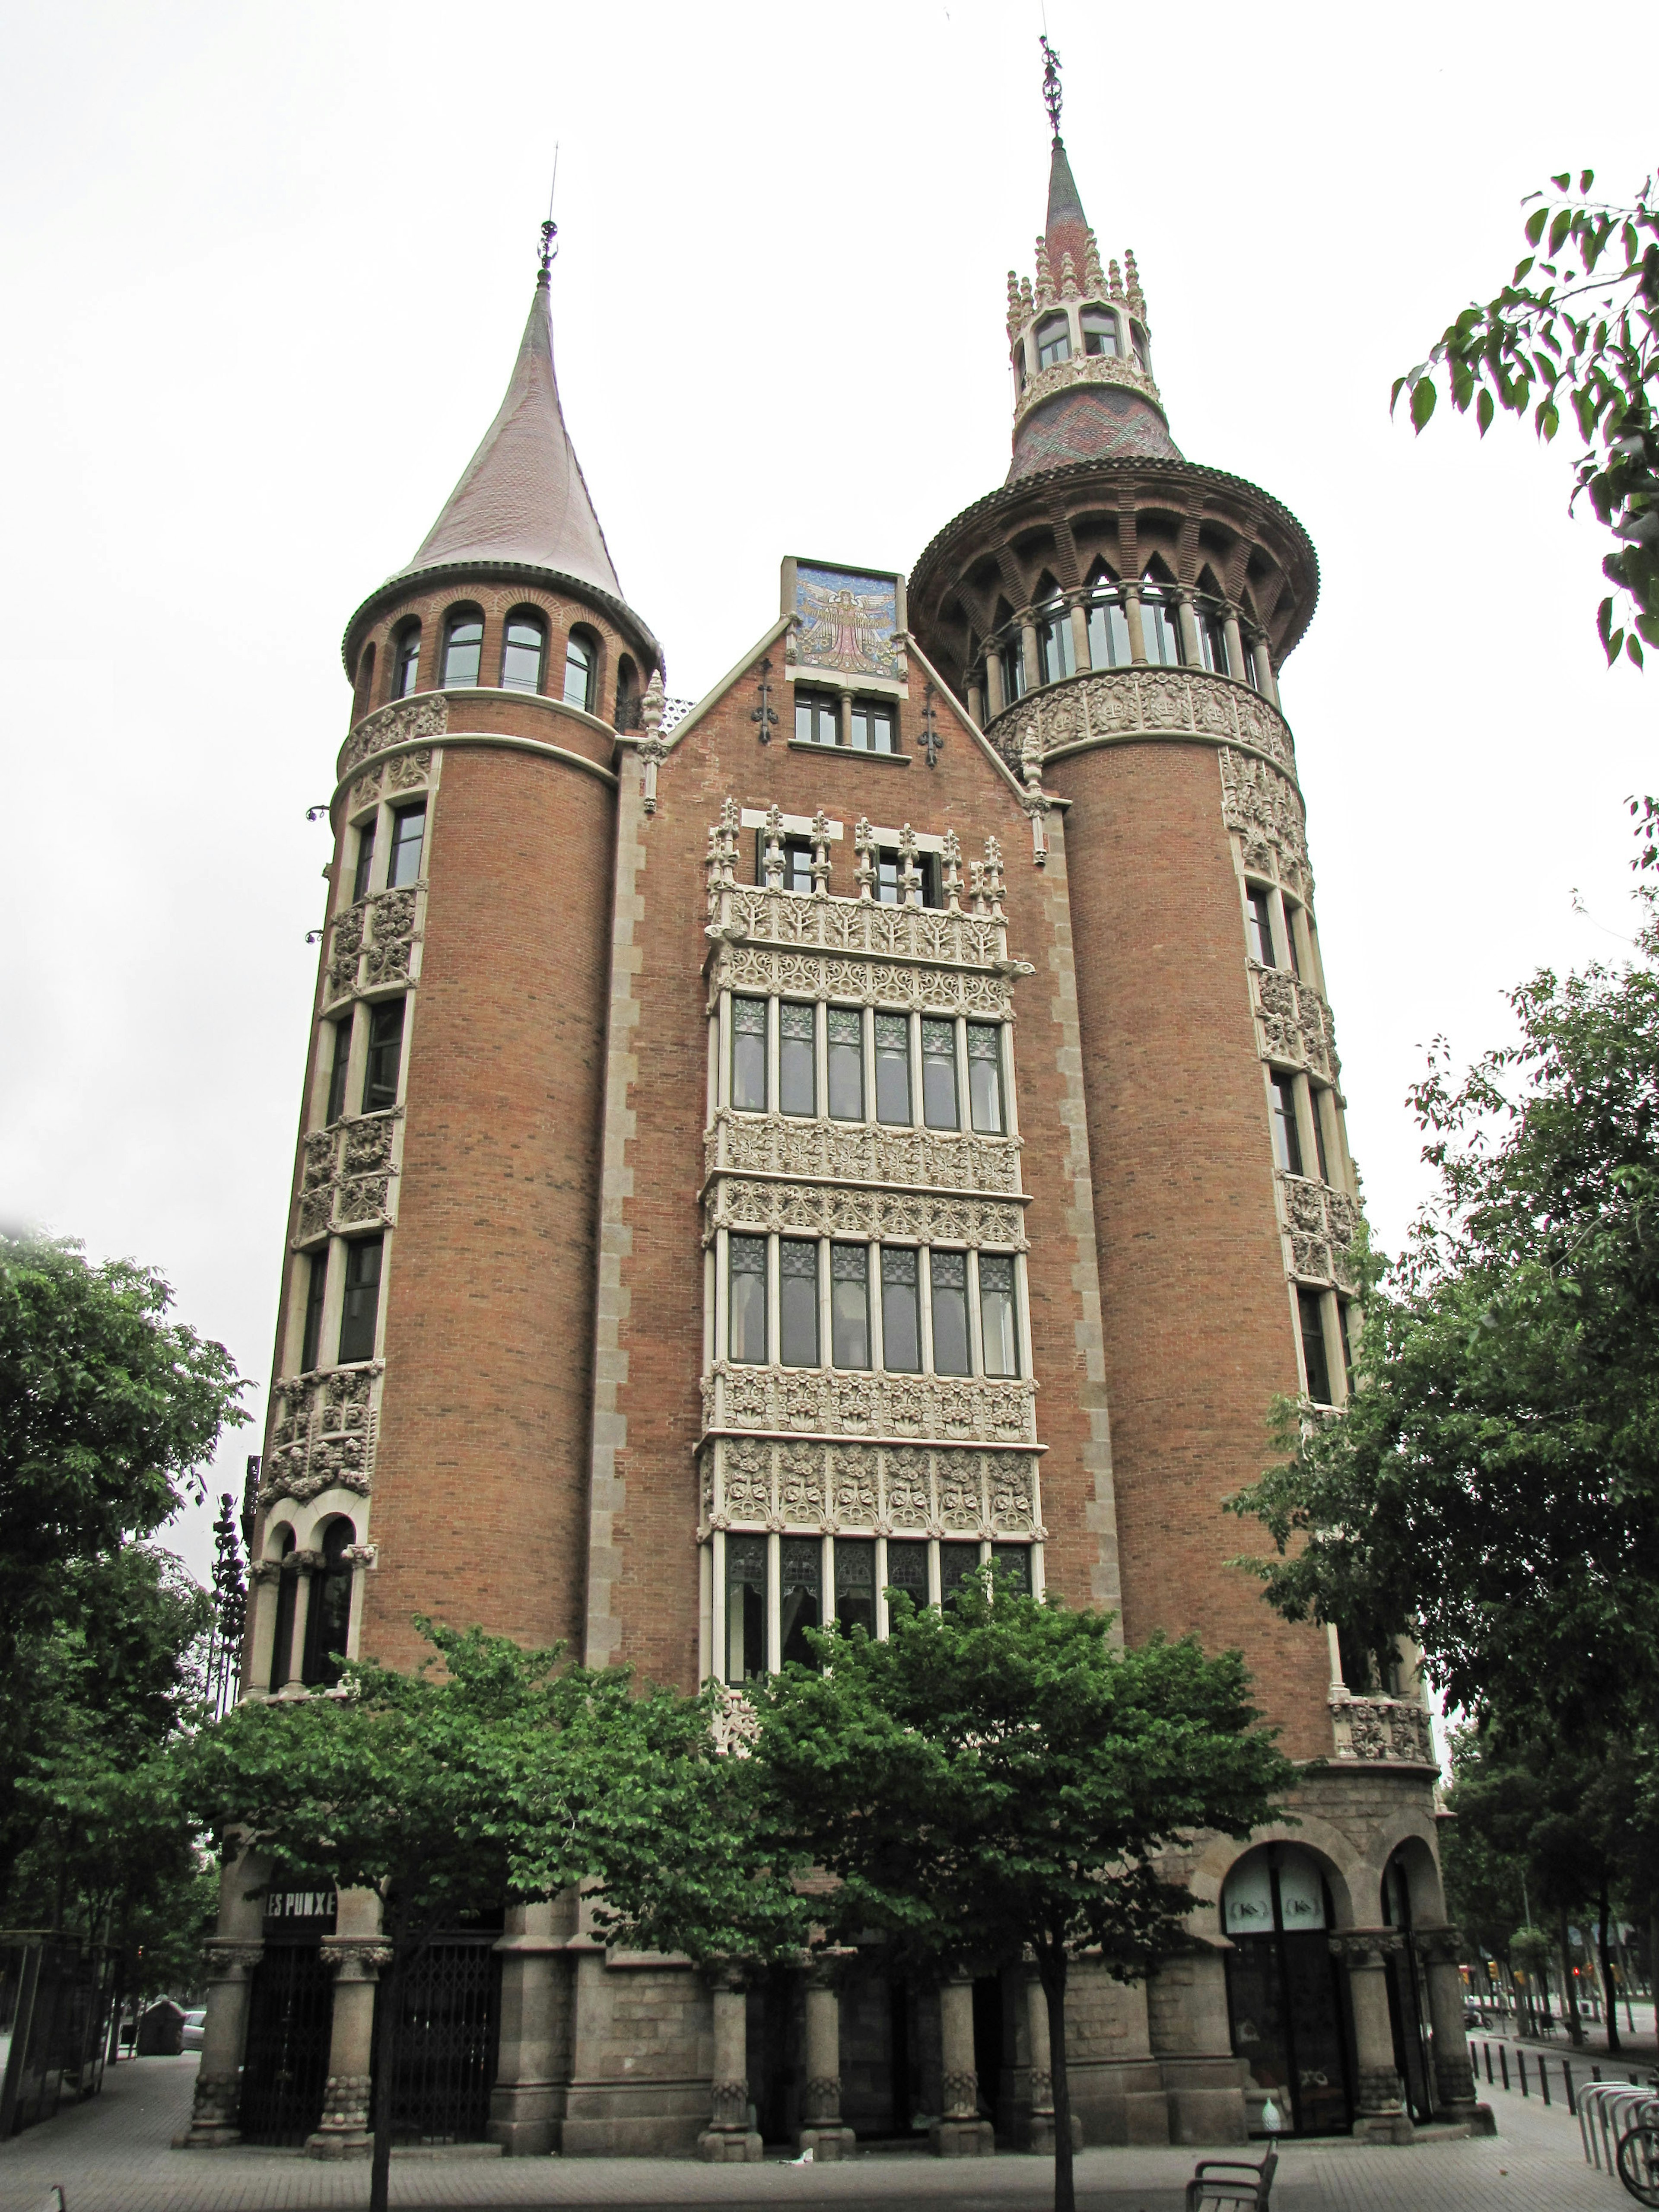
(942, 988)
(812, 1400)
(1121, 702)
(853, 1488)
(861, 1153)
(322, 1433)
(1323, 1228)
(868, 1216)
(1382, 1731)
(373, 944)
(1293, 1022)
(346, 1178)
(753, 912)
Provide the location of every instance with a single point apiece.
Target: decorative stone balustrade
(1323, 1231)
(826, 1210)
(346, 1178)
(878, 1490)
(1120, 702)
(1387, 1731)
(857, 981)
(1293, 1022)
(1083, 368)
(753, 913)
(322, 1432)
(857, 1152)
(930, 1407)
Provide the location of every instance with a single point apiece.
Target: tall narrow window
(816, 718)
(1109, 630)
(797, 1056)
(888, 892)
(798, 1303)
(580, 659)
(845, 1028)
(1317, 1095)
(365, 867)
(957, 1562)
(1287, 1140)
(745, 1608)
(901, 1312)
(1212, 638)
(1137, 340)
(849, 1305)
(749, 1056)
(746, 1334)
(406, 660)
(329, 1617)
(996, 1314)
(855, 1584)
(873, 725)
(1056, 654)
(339, 1068)
(1349, 1326)
(463, 648)
(1012, 657)
(985, 1077)
(1100, 333)
(938, 1075)
(1011, 1564)
(797, 864)
(1290, 939)
(360, 1310)
(893, 1069)
(408, 838)
(288, 1591)
(1158, 624)
(1309, 1307)
(801, 1597)
(521, 654)
(1259, 924)
(384, 1059)
(949, 1273)
(1053, 341)
(1252, 673)
(311, 1337)
(907, 1569)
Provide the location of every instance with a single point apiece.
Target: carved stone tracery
(859, 1152)
(873, 1489)
(322, 1436)
(399, 723)
(1119, 703)
(834, 1210)
(1392, 1730)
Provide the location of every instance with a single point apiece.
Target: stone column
(233, 1952)
(728, 2139)
(1454, 2076)
(994, 681)
(1040, 2126)
(1380, 2096)
(1137, 627)
(1230, 630)
(960, 2132)
(822, 2131)
(975, 704)
(357, 1954)
(1186, 622)
(1264, 672)
(525, 2105)
(1029, 653)
(1079, 634)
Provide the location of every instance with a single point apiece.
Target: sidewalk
(113, 2155)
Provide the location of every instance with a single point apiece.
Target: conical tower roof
(522, 497)
(1067, 227)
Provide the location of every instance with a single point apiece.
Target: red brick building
(880, 1117)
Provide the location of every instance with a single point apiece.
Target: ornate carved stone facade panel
(1083, 368)
(817, 1209)
(1394, 1730)
(348, 1178)
(857, 981)
(374, 943)
(322, 1433)
(1293, 1022)
(1115, 702)
(1264, 811)
(382, 778)
(791, 919)
(868, 1489)
(1321, 1230)
(815, 1400)
(856, 1152)
(399, 724)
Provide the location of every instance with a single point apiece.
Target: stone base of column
(730, 2146)
(1038, 2134)
(213, 2121)
(961, 2139)
(344, 2132)
(525, 2118)
(827, 2144)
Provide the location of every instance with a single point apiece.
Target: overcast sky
(264, 270)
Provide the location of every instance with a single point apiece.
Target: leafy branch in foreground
(1575, 330)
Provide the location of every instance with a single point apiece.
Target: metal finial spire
(1051, 93)
(549, 228)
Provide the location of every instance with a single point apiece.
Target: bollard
(1543, 2080)
(1488, 2048)
(1504, 2061)
(1521, 2056)
(1566, 2083)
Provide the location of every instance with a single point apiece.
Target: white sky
(265, 267)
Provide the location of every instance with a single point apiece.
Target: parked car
(193, 2022)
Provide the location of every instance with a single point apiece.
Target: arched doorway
(1409, 1991)
(1285, 1997)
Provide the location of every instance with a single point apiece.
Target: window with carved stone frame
(809, 1060)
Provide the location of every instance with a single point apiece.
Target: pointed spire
(1067, 230)
(522, 496)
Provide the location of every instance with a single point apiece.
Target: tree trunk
(388, 2021)
(1051, 1970)
(1575, 2026)
(1604, 1951)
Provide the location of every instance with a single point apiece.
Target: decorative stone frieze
(348, 1178)
(1083, 368)
(1264, 811)
(855, 981)
(400, 723)
(1118, 703)
(755, 912)
(876, 1490)
(1390, 1731)
(1293, 1022)
(373, 944)
(832, 1402)
(820, 1210)
(1322, 1230)
(854, 1152)
(322, 1436)
(404, 772)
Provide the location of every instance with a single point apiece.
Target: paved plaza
(114, 2155)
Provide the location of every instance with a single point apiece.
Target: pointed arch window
(463, 648)
(1056, 652)
(1053, 340)
(406, 660)
(1158, 619)
(581, 664)
(1109, 626)
(328, 1620)
(523, 648)
(1100, 333)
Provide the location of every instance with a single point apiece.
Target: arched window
(1056, 651)
(1283, 1993)
(1053, 340)
(628, 695)
(1158, 618)
(580, 666)
(1109, 626)
(288, 1587)
(463, 647)
(1100, 333)
(363, 696)
(524, 643)
(405, 660)
(329, 1617)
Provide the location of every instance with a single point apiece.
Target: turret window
(287, 1591)
(341, 1034)
(1137, 340)
(311, 1340)
(408, 838)
(1258, 924)
(365, 861)
(1311, 1316)
(1056, 654)
(385, 1057)
(1053, 341)
(580, 659)
(406, 660)
(360, 1310)
(1287, 1138)
(1100, 333)
(463, 649)
(1211, 638)
(1109, 629)
(329, 1617)
(1014, 670)
(522, 650)
(1159, 624)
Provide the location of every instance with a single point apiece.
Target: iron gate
(446, 2053)
(290, 2019)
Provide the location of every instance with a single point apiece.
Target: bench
(1231, 2182)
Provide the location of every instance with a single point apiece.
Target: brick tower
(879, 1118)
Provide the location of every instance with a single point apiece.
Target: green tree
(1493, 1485)
(1575, 330)
(999, 1777)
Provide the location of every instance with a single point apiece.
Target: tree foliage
(999, 1777)
(1575, 332)
(1493, 1485)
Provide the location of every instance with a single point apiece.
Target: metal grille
(290, 2016)
(446, 2056)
